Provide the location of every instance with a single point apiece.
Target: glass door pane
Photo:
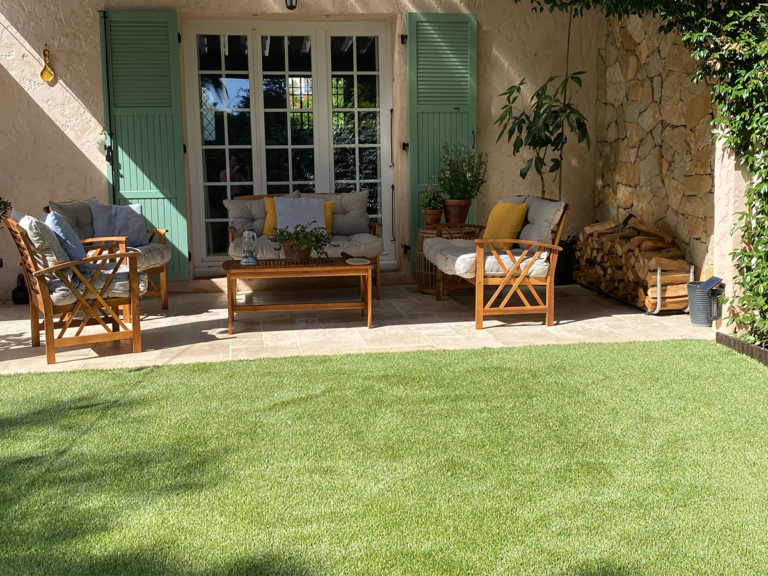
(289, 117)
(356, 122)
(225, 121)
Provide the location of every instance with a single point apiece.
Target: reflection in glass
(306, 188)
(374, 196)
(300, 54)
(303, 162)
(273, 53)
(343, 127)
(236, 53)
(238, 91)
(300, 92)
(239, 169)
(274, 92)
(369, 163)
(343, 91)
(369, 127)
(342, 54)
(278, 189)
(211, 91)
(367, 58)
(302, 128)
(277, 165)
(239, 128)
(208, 52)
(344, 164)
(367, 91)
(216, 238)
(275, 129)
(212, 124)
(342, 187)
(214, 197)
(214, 161)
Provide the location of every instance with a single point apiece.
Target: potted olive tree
(461, 175)
(431, 206)
(299, 243)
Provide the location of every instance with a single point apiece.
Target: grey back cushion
(77, 214)
(249, 214)
(350, 212)
(542, 218)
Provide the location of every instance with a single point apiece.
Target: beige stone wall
(656, 157)
(51, 147)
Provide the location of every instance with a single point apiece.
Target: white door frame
(320, 32)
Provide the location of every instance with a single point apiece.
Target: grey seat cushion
(542, 218)
(350, 212)
(249, 214)
(152, 255)
(458, 257)
(77, 214)
(361, 245)
(61, 295)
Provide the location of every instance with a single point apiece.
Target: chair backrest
(29, 262)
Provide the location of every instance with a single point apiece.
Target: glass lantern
(249, 249)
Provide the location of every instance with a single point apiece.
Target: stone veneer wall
(654, 133)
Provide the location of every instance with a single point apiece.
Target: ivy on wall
(729, 40)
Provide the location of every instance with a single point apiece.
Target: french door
(285, 107)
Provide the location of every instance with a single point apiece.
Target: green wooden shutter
(142, 99)
(442, 96)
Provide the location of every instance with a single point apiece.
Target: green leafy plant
(5, 207)
(541, 127)
(305, 236)
(729, 41)
(462, 172)
(432, 199)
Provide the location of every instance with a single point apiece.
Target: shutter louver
(442, 97)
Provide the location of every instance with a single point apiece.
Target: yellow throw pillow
(328, 208)
(270, 222)
(505, 221)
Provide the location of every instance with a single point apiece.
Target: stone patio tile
(279, 338)
(255, 353)
(346, 337)
(383, 338)
(202, 349)
(388, 349)
(480, 340)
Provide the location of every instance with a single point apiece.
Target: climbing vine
(729, 40)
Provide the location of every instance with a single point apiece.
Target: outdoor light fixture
(249, 248)
(291, 4)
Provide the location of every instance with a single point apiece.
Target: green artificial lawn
(584, 460)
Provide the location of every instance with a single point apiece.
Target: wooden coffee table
(313, 268)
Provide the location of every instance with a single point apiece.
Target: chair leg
(551, 300)
(126, 313)
(376, 271)
(438, 284)
(479, 298)
(34, 318)
(135, 315)
(164, 288)
(50, 345)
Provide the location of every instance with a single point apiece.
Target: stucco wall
(656, 156)
(51, 147)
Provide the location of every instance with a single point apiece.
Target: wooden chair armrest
(523, 243)
(231, 230)
(461, 228)
(91, 259)
(374, 228)
(105, 239)
(100, 248)
(159, 232)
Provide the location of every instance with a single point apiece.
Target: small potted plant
(299, 243)
(5, 209)
(460, 178)
(432, 206)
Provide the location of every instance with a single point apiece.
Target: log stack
(625, 263)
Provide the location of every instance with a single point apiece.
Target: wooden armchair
(96, 305)
(515, 262)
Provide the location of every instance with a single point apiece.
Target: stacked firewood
(624, 262)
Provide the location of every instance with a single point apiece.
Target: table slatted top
(275, 263)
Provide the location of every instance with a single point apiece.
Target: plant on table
(461, 176)
(432, 206)
(541, 128)
(299, 242)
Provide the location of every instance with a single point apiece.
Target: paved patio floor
(194, 329)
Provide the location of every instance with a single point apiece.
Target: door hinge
(405, 145)
(403, 38)
(189, 256)
(185, 148)
(179, 37)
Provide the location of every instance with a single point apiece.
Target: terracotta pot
(294, 252)
(432, 217)
(456, 210)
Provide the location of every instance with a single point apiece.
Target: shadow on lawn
(600, 568)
